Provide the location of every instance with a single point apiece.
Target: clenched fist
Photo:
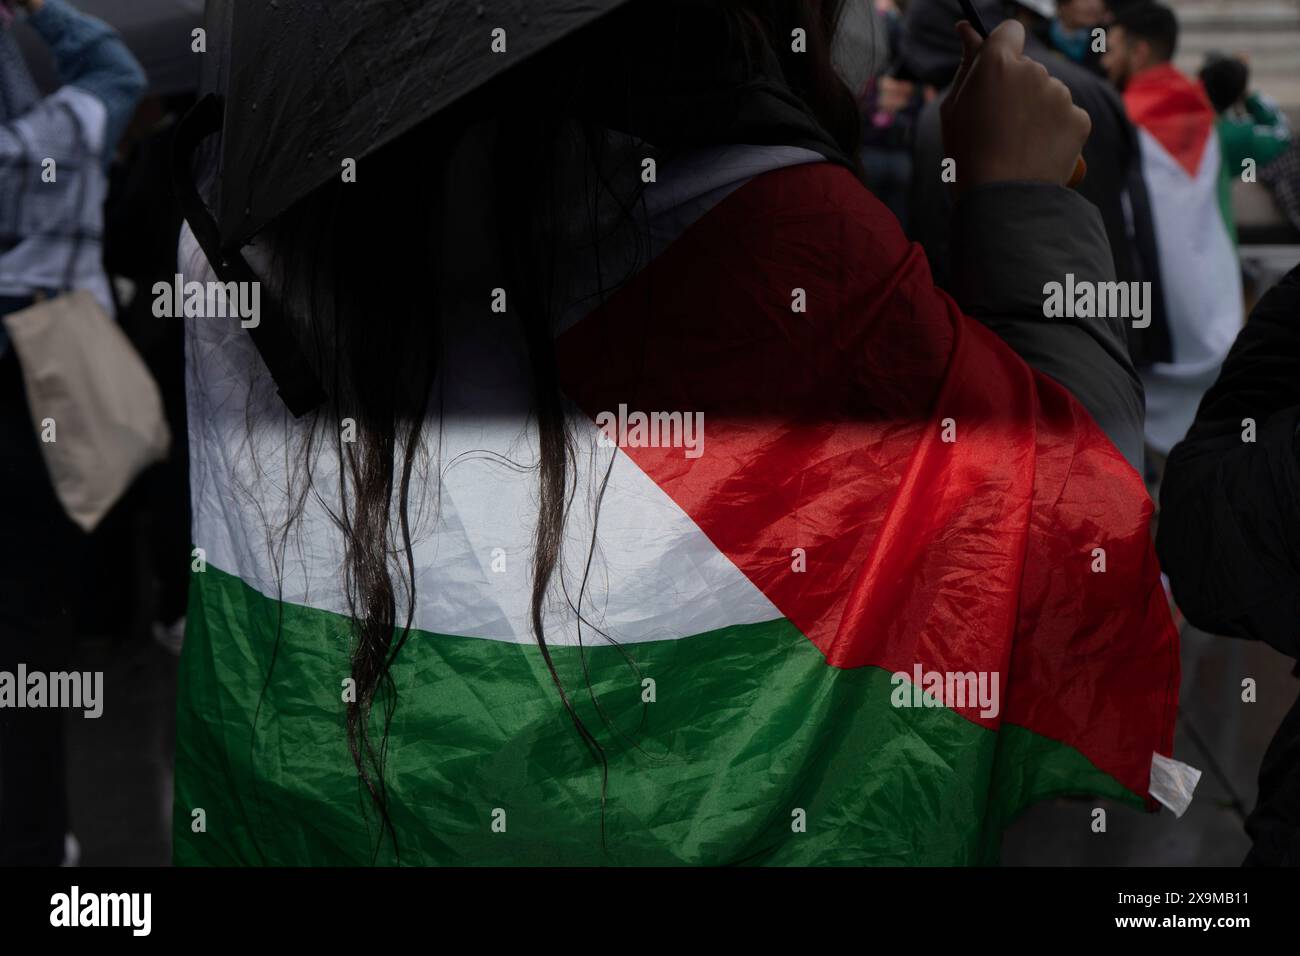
(1005, 119)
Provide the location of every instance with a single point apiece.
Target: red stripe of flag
(823, 432)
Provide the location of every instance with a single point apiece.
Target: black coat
(1229, 534)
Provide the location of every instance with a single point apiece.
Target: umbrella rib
(433, 32)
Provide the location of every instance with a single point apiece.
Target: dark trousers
(41, 563)
(1275, 825)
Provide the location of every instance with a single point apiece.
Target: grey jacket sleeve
(1009, 241)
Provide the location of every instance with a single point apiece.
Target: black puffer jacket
(1230, 530)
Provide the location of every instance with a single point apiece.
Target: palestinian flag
(881, 492)
(1181, 159)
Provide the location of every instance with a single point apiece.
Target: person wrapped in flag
(1195, 240)
(661, 510)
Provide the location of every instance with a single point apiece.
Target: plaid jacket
(53, 154)
(51, 202)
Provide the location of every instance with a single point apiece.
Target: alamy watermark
(950, 689)
(626, 429)
(75, 908)
(1081, 299)
(209, 300)
(73, 690)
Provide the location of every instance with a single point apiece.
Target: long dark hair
(360, 263)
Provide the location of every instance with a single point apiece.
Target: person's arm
(1009, 241)
(1229, 534)
(1263, 135)
(1003, 274)
(91, 56)
(1016, 227)
(1266, 112)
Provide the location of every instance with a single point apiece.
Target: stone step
(1215, 14)
(1267, 31)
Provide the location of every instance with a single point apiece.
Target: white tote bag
(95, 407)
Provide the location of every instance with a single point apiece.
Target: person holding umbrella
(605, 478)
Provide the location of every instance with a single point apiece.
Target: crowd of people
(1162, 157)
(448, 503)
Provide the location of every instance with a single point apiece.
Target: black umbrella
(296, 87)
(158, 33)
(307, 84)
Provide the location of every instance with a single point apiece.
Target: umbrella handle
(273, 337)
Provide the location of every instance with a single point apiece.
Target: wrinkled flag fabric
(884, 488)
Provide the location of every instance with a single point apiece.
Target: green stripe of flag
(749, 726)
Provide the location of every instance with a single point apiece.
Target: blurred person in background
(142, 224)
(1070, 31)
(1229, 535)
(1282, 177)
(889, 107)
(1115, 7)
(1251, 126)
(1182, 164)
(50, 242)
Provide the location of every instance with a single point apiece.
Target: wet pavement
(1217, 733)
(120, 765)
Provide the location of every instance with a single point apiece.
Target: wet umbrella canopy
(298, 87)
(306, 85)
